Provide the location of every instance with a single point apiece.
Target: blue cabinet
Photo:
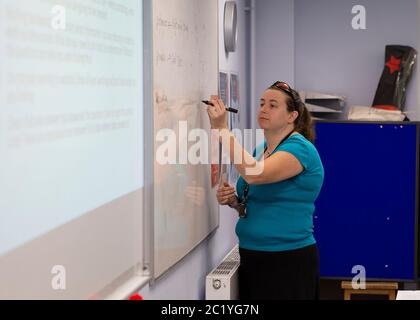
(367, 210)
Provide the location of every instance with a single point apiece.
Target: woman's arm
(280, 166)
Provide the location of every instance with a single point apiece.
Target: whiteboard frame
(141, 275)
(148, 200)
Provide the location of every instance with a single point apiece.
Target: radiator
(222, 282)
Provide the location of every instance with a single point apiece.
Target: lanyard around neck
(246, 189)
(282, 140)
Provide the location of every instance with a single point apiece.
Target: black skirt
(285, 275)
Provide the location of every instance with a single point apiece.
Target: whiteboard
(185, 71)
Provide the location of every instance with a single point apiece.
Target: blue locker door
(365, 214)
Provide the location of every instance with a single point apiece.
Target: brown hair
(303, 123)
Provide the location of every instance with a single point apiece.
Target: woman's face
(273, 113)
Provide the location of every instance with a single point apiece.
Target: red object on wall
(392, 88)
(394, 64)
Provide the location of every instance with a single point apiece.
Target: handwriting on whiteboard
(170, 58)
(172, 24)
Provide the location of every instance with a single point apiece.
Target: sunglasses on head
(283, 86)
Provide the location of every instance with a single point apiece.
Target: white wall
(331, 57)
(186, 280)
(236, 62)
(311, 45)
(274, 46)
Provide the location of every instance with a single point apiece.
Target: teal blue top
(280, 214)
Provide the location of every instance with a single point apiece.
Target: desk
(372, 288)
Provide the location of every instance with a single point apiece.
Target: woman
(279, 256)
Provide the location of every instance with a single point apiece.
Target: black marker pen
(211, 104)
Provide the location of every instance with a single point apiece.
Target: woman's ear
(293, 116)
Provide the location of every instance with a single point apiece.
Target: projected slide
(71, 105)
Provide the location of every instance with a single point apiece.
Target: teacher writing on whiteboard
(279, 256)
